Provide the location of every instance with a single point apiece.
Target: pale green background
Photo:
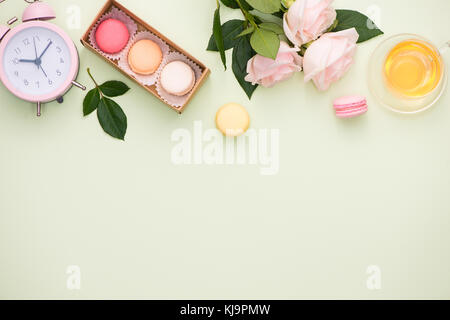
(349, 194)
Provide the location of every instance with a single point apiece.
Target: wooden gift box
(143, 26)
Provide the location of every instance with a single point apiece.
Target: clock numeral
(50, 82)
(26, 82)
(58, 49)
(16, 73)
(26, 42)
(17, 51)
(61, 60)
(37, 38)
(16, 61)
(58, 73)
(37, 84)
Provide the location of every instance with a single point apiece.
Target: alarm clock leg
(78, 85)
(12, 20)
(38, 109)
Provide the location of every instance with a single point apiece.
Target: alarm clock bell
(38, 11)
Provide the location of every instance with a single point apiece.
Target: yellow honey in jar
(413, 68)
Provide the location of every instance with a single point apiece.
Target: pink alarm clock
(38, 60)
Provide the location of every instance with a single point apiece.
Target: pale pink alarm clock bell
(38, 60)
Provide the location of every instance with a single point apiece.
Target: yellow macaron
(232, 120)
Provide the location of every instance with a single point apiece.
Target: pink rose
(268, 72)
(307, 20)
(329, 58)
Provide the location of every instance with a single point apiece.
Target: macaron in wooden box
(145, 55)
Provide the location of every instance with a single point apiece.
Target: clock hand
(35, 51)
(45, 74)
(45, 50)
(27, 60)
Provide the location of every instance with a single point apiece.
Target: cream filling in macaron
(145, 57)
(177, 78)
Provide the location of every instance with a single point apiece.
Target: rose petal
(330, 57)
(268, 72)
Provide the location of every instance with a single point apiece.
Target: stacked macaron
(350, 106)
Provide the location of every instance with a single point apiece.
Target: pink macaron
(350, 106)
(112, 36)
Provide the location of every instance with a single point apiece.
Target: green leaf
(365, 27)
(279, 14)
(266, 6)
(257, 19)
(91, 101)
(112, 118)
(270, 26)
(114, 88)
(242, 53)
(265, 43)
(230, 31)
(246, 32)
(234, 5)
(218, 37)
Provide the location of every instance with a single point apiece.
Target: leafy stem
(248, 17)
(256, 34)
(110, 115)
(242, 10)
(95, 82)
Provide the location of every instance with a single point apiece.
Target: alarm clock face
(38, 61)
